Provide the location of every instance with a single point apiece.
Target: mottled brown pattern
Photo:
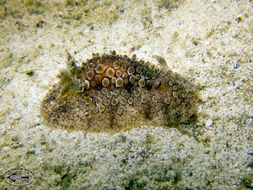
(110, 93)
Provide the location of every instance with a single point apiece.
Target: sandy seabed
(210, 43)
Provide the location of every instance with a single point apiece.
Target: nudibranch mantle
(110, 92)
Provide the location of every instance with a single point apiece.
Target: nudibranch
(110, 92)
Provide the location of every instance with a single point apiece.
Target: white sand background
(208, 42)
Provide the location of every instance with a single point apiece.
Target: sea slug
(110, 92)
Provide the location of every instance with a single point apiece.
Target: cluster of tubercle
(110, 92)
